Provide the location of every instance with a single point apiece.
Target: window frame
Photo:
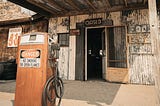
(61, 39)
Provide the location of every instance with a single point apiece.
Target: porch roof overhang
(57, 8)
(27, 20)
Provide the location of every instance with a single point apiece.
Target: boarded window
(63, 39)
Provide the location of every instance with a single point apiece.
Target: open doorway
(95, 45)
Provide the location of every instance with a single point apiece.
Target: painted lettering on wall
(142, 38)
(140, 49)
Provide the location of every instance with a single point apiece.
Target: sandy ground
(93, 93)
(100, 93)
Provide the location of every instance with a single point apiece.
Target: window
(117, 53)
(63, 39)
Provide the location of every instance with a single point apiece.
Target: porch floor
(92, 93)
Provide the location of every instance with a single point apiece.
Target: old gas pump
(34, 71)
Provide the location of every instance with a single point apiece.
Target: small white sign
(32, 62)
(13, 37)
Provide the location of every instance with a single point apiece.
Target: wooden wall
(140, 49)
(72, 50)
(55, 27)
(80, 53)
(138, 45)
(6, 53)
(11, 52)
(155, 39)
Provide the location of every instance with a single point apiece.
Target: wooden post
(155, 44)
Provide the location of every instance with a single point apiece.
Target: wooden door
(79, 65)
(103, 53)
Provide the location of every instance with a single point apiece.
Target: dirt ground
(93, 93)
(101, 93)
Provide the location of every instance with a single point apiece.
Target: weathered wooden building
(115, 40)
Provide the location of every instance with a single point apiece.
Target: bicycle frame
(54, 82)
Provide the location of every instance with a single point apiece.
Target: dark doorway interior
(94, 59)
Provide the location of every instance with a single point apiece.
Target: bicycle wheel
(59, 87)
(48, 92)
(50, 89)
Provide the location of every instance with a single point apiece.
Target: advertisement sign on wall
(13, 37)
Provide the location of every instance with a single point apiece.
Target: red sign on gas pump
(30, 58)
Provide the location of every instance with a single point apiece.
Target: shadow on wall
(94, 92)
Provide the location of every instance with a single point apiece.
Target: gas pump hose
(54, 85)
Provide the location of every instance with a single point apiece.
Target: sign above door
(93, 22)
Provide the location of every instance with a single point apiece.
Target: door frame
(106, 39)
(86, 32)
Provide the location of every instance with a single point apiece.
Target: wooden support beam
(125, 2)
(11, 22)
(54, 4)
(43, 6)
(155, 45)
(112, 9)
(108, 3)
(129, 7)
(91, 5)
(70, 2)
(32, 7)
(144, 1)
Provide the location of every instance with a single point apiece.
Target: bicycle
(54, 84)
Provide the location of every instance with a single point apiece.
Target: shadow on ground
(7, 86)
(94, 92)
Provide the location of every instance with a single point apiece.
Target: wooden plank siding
(63, 63)
(141, 71)
(80, 55)
(7, 52)
(72, 50)
(72, 56)
(140, 63)
(55, 27)
(155, 39)
(140, 67)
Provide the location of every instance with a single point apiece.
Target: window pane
(63, 39)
